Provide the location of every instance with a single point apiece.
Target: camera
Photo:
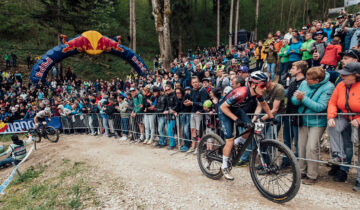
(350, 16)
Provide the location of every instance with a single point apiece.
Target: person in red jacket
(331, 55)
(346, 98)
(331, 58)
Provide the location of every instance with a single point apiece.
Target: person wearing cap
(138, 109)
(244, 72)
(17, 151)
(345, 98)
(317, 48)
(284, 61)
(206, 84)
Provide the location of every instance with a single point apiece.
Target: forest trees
(161, 15)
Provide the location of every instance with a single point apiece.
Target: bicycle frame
(248, 141)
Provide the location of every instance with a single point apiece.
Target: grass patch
(28, 175)
(7, 137)
(61, 188)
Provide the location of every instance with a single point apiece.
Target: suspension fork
(258, 144)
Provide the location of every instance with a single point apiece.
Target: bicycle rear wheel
(210, 155)
(279, 180)
(52, 134)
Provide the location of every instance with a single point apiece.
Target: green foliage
(29, 174)
(33, 25)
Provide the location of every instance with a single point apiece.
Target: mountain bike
(48, 132)
(276, 181)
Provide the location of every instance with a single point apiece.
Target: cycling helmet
(207, 104)
(258, 77)
(47, 109)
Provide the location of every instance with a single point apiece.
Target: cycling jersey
(41, 114)
(236, 99)
(239, 96)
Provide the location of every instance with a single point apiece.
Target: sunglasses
(262, 86)
(167, 89)
(178, 93)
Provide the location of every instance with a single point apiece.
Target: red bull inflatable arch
(90, 42)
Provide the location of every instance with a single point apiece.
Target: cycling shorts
(227, 124)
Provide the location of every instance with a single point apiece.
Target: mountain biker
(40, 117)
(230, 112)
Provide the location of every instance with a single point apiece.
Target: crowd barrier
(177, 128)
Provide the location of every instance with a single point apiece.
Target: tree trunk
(180, 39)
(134, 26)
(291, 3)
(167, 41)
(195, 6)
(59, 27)
(236, 23)
(231, 24)
(281, 13)
(257, 19)
(156, 12)
(218, 24)
(303, 19)
(131, 24)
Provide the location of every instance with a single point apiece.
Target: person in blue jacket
(294, 50)
(312, 97)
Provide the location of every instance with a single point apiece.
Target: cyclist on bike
(230, 112)
(40, 117)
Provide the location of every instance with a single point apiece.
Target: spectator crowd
(312, 70)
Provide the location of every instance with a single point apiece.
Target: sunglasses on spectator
(178, 93)
(167, 89)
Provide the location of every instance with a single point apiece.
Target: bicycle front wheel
(52, 134)
(277, 174)
(210, 155)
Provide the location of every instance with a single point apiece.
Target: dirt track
(152, 178)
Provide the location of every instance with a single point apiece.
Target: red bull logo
(43, 67)
(79, 43)
(92, 42)
(106, 44)
(3, 127)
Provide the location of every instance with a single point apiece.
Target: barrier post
(178, 130)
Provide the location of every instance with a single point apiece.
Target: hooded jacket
(338, 100)
(331, 56)
(306, 45)
(295, 56)
(317, 103)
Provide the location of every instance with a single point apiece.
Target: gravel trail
(138, 176)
